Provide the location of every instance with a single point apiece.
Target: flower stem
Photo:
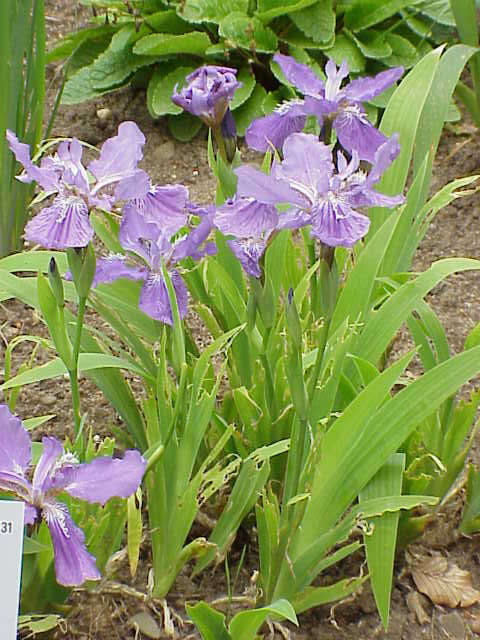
(73, 373)
(217, 132)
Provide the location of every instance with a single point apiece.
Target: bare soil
(106, 612)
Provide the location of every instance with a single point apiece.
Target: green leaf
(316, 596)
(371, 43)
(247, 78)
(210, 10)
(439, 11)
(366, 13)
(317, 22)
(184, 127)
(160, 90)
(267, 10)
(30, 545)
(380, 544)
(134, 529)
(164, 44)
(38, 623)
(247, 33)
(250, 109)
(114, 67)
(33, 423)
(209, 622)
(471, 515)
(404, 52)
(245, 624)
(345, 49)
(166, 22)
(66, 46)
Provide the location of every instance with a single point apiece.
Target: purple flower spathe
(112, 177)
(56, 472)
(208, 93)
(321, 195)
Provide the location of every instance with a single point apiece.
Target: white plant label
(11, 544)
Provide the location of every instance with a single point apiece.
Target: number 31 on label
(6, 527)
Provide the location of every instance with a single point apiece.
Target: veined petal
(138, 235)
(356, 132)
(15, 483)
(364, 89)
(253, 183)
(15, 445)
(191, 243)
(334, 79)
(47, 178)
(63, 225)
(112, 268)
(52, 450)
(165, 206)
(338, 225)
(31, 514)
(300, 75)
(154, 299)
(73, 563)
(272, 130)
(248, 252)
(307, 165)
(246, 218)
(134, 186)
(104, 478)
(119, 155)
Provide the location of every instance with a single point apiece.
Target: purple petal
(300, 75)
(52, 450)
(15, 482)
(364, 89)
(154, 299)
(73, 563)
(246, 218)
(384, 156)
(141, 237)
(119, 155)
(334, 79)
(253, 183)
(249, 253)
(272, 130)
(113, 267)
(134, 186)
(307, 164)
(15, 446)
(47, 178)
(63, 225)
(31, 514)
(190, 244)
(165, 206)
(105, 478)
(294, 219)
(356, 132)
(338, 225)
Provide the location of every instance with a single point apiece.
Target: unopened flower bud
(56, 282)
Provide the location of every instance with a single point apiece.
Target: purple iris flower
(322, 196)
(112, 177)
(58, 471)
(149, 240)
(328, 101)
(208, 93)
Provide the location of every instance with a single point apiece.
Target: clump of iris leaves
(156, 43)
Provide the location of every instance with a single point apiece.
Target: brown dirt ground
(454, 232)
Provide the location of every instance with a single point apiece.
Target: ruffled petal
(119, 155)
(338, 225)
(64, 225)
(103, 478)
(16, 484)
(154, 299)
(134, 186)
(73, 563)
(15, 445)
(271, 131)
(191, 244)
(300, 75)
(246, 218)
(307, 164)
(253, 183)
(112, 268)
(165, 206)
(356, 132)
(47, 178)
(364, 89)
(249, 252)
(334, 79)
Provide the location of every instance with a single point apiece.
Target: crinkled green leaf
(372, 43)
(366, 13)
(317, 22)
(164, 44)
(403, 51)
(247, 78)
(346, 49)
(184, 127)
(160, 90)
(248, 33)
(210, 10)
(269, 9)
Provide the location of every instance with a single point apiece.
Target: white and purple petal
(270, 132)
(43, 475)
(73, 563)
(46, 177)
(165, 206)
(307, 165)
(249, 251)
(113, 267)
(154, 300)
(65, 224)
(253, 183)
(336, 224)
(356, 132)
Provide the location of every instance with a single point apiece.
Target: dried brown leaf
(444, 582)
